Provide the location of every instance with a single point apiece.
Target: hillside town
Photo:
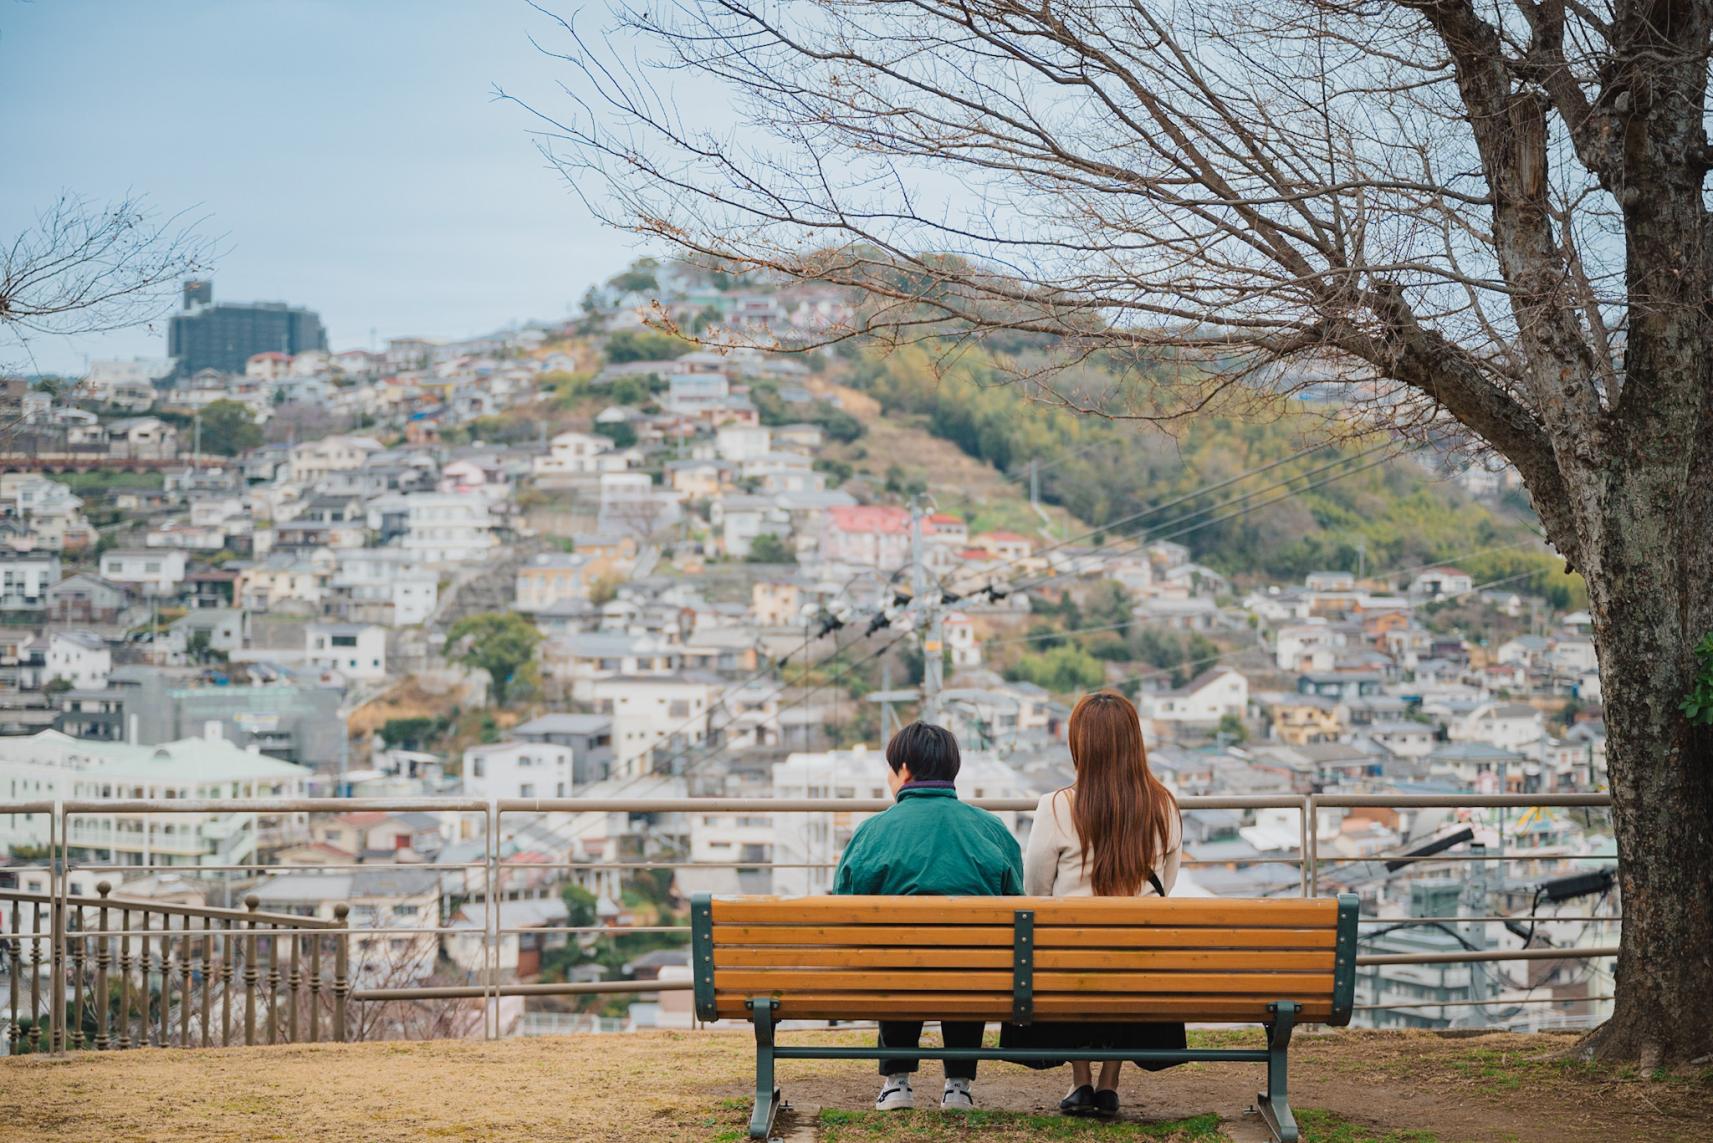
(588, 560)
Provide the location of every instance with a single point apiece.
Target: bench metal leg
(1274, 1103)
(766, 1092)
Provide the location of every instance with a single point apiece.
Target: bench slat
(1281, 985)
(945, 911)
(882, 957)
(1046, 937)
(992, 1007)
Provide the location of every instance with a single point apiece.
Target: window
(679, 709)
(526, 790)
(344, 640)
(152, 567)
(478, 769)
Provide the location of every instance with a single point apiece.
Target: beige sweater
(1053, 864)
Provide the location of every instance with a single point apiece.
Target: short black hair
(930, 751)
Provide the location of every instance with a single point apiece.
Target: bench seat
(1275, 962)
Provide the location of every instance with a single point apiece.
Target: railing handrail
(451, 804)
(144, 905)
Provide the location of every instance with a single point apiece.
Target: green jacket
(931, 844)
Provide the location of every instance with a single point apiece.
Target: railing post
(294, 983)
(166, 980)
(79, 962)
(273, 987)
(103, 956)
(58, 863)
(207, 978)
(125, 964)
(186, 982)
(14, 976)
(341, 970)
(227, 946)
(252, 902)
(315, 941)
(36, 978)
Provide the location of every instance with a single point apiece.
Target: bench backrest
(1024, 958)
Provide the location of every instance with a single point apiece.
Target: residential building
(357, 652)
(572, 454)
(80, 658)
(86, 598)
(546, 579)
(149, 571)
(1200, 703)
(519, 770)
(654, 715)
(51, 765)
(589, 737)
(25, 578)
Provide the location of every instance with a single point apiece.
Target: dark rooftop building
(223, 337)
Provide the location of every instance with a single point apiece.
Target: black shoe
(1079, 1102)
(1106, 1103)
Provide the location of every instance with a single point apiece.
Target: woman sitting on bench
(1116, 832)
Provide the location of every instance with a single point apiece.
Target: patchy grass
(1330, 1127)
(1007, 1126)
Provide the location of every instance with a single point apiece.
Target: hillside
(1348, 507)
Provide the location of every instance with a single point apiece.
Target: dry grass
(1368, 1087)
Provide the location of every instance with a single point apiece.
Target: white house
(668, 711)
(312, 460)
(25, 578)
(1506, 725)
(151, 571)
(739, 442)
(356, 651)
(81, 658)
(1201, 702)
(518, 770)
(572, 453)
(1308, 646)
(1438, 583)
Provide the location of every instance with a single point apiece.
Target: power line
(1150, 534)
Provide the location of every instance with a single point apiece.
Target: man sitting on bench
(929, 844)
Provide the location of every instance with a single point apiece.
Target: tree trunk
(1651, 596)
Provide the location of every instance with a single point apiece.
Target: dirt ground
(695, 1086)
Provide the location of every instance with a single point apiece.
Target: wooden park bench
(1279, 963)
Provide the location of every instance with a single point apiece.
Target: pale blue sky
(349, 151)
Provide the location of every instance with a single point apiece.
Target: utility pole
(933, 634)
(1361, 560)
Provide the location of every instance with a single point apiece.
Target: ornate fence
(109, 972)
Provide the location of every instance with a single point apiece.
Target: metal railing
(77, 952)
(274, 974)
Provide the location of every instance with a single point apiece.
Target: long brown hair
(1122, 813)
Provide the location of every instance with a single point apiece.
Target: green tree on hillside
(645, 345)
(640, 276)
(501, 643)
(229, 428)
(768, 548)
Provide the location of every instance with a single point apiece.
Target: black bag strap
(1154, 880)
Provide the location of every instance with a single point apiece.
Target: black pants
(908, 1034)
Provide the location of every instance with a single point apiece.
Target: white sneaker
(957, 1096)
(895, 1094)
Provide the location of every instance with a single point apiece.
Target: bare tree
(83, 268)
(1483, 216)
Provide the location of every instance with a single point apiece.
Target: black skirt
(1050, 1036)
